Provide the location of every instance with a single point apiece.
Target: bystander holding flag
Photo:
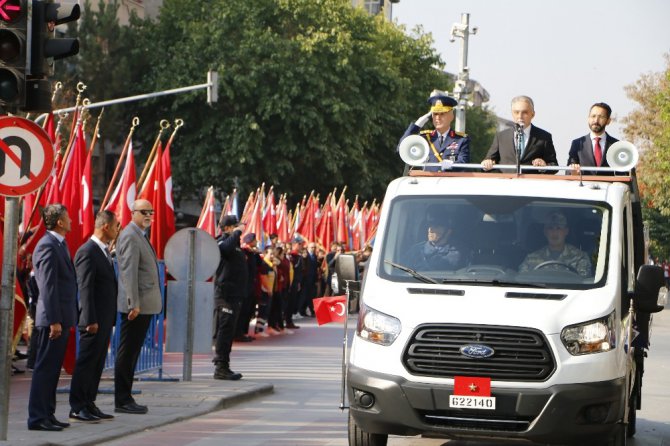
(330, 309)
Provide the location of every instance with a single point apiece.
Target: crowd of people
(261, 291)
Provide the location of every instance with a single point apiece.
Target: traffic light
(45, 47)
(13, 26)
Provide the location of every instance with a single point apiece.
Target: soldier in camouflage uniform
(556, 230)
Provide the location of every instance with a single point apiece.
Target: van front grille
(518, 354)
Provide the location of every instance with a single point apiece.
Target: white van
(494, 334)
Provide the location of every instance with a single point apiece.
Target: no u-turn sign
(26, 156)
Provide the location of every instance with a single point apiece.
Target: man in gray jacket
(139, 298)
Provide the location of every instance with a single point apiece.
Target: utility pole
(462, 30)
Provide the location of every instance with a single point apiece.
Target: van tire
(358, 437)
(619, 437)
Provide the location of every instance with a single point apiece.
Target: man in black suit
(56, 312)
(591, 150)
(538, 146)
(97, 313)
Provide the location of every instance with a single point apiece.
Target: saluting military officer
(445, 143)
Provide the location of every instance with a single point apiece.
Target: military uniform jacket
(571, 256)
(455, 147)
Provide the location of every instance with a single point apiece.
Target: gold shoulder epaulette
(461, 134)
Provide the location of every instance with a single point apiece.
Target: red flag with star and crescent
(330, 309)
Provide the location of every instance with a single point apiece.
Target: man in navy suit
(591, 150)
(56, 312)
(97, 313)
(538, 146)
(445, 144)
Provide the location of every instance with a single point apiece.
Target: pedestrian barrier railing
(151, 355)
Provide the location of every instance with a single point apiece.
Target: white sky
(565, 54)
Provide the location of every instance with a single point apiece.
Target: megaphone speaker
(622, 155)
(413, 150)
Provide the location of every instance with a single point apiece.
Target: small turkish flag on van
(330, 309)
(472, 386)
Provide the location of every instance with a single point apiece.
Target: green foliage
(649, 128)
(313, 94)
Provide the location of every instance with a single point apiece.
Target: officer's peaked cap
(440, 102)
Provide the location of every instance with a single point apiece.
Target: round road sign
(207, 254)
(26, 156)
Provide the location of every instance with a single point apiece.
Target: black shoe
(244, 338)
(292, 326)
(227, 374)
(132, 408)
(84, 415)
(59, 423)
(16, 370)
(95, 410)
(19, 355)
(45, 425)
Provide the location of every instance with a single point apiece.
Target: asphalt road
(305, 370)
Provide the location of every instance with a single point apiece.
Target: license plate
(472, 402)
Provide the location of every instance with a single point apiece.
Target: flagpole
(94, 139)
(40, 191)
(345, 343)
(164, 124)
(76, 118)
(135, 123)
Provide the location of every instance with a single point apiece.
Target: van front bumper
(567, 413)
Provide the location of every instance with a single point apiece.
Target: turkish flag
(472, 386)
(207, 220)
(125, 193)
(330, 309)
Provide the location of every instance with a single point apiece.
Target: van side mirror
(346, 269)
(649, 283)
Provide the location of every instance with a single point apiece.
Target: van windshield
(524, 241)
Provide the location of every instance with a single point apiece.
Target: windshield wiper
(413, 273)
(495, 282)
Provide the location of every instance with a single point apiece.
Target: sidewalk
(169, 401)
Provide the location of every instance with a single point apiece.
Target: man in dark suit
(591, 150)
(139, 299)
(97, 313)
(446, 145)
(538, 146)
(56, 312)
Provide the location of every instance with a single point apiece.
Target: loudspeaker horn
(413, 150)
(622, 155)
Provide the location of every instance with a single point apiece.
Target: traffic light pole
(462, 30)
(211, 86)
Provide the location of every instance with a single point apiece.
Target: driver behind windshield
(437, 253)
(557, 255)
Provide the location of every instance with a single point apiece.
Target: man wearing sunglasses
(139, 298)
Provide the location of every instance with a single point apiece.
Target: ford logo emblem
(477, 351)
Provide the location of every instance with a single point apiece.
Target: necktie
(597, 152)
(441, 140)
(520, 144)
(109, 256)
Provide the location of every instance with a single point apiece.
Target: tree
(313, 94)
(648, 127)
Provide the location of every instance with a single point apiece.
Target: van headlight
(377, 327)
(590, 337)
